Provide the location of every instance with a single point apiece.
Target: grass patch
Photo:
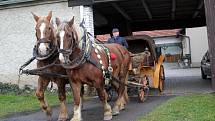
(13, 103)
(199, 107)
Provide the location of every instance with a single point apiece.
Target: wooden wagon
(147, 70)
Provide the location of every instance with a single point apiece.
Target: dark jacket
(118, 40)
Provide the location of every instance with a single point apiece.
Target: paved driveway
(178, 82)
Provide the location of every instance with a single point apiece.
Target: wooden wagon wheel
(141, 95)
(161, 79)
(143, 91)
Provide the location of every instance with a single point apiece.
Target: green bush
(6, 88)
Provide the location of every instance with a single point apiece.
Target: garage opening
(183, 53)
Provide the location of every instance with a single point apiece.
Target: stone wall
(17, 37)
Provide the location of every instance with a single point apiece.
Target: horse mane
(79, 32)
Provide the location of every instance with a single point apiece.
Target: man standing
(117, 39)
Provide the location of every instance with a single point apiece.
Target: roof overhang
(137, 15)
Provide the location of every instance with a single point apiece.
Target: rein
(42, 71)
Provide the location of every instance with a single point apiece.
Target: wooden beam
(152, 25)
(102, 1)
(25, 3)
(173, 9)
(167, 24)
(72, 3)
(147, 9)
(120, 10)
(210, 18)
(201, 4)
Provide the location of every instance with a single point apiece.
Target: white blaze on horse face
(42, 46)
(62, 33)
(42, 28)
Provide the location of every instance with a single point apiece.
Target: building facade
(17, 35)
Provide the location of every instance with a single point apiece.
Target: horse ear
(71, 22)
(49, 16)
(36, 18)
(57, 20)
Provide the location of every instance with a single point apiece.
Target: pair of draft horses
(84, 62)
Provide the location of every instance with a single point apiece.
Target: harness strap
(93, 61)
(26, 64)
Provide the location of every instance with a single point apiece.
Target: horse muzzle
(44, 47)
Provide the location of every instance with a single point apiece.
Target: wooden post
(210, 21)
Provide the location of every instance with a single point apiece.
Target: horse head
(45, 34)
(67, 39)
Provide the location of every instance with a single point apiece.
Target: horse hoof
(107, 117)
(62, 119)
(76, 119)
(122, 108)
(49, 118)
(115, 113)
(49, 112)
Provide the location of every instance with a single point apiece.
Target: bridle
(68, 51)
(52, 49)
(83, 55)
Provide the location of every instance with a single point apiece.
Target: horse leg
(63, 116)
(42, 84)
(119, 104)
(125, 97)
(82, 95)
(107, 108)
(76, 89)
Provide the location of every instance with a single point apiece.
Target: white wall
(199, 43)
(17, 37)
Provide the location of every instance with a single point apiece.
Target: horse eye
(49, 28)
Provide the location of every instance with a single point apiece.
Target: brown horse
(46, 54)
(86, 63)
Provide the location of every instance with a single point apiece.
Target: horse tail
(125, 69)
